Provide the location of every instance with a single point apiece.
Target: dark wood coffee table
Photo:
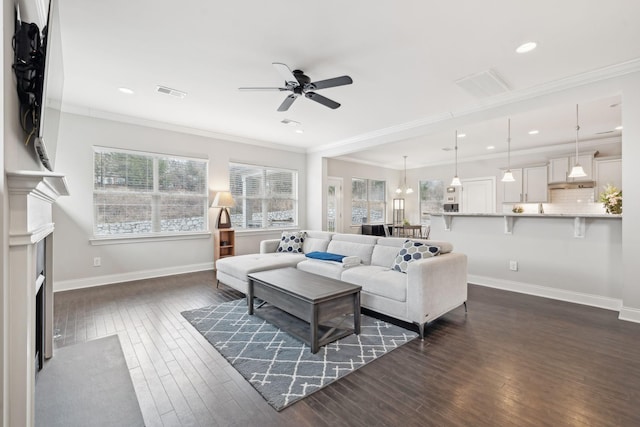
(320, 302)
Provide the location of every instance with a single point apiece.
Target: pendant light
(455, 182)
(508, 175)
(404, 188)
(577, 171)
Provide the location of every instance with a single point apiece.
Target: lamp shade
(508, 176)
(577, 171)
(455, 182)
(223, 199)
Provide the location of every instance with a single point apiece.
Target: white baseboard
(629, 314)
(67, 285)
(553, 293)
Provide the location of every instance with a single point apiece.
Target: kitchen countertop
(510, 217)
(532, 215)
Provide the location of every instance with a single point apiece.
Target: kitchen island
(570, 257)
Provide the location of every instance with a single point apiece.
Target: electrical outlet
(97, 262)
(513, 265)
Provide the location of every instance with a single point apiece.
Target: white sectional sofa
(430, 287)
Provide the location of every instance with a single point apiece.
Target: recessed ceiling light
(126, 90)
(299, 131)
(491, 147)
(462, 135)
(534, 132)
(619, 128)
(526, 47)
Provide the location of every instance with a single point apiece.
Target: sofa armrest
(435, 286)
(269, 246)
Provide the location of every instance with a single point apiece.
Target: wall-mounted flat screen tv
(40, 77)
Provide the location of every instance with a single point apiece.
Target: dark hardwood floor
(512, 360)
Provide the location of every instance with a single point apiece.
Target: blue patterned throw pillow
(413, 251)
(291, 241)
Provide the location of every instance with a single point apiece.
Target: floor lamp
(223, 200)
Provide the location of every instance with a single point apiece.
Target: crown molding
(107, 115)
(559, 150)
(399, 132)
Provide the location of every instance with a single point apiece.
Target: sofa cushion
(353, 245)
(316, 241)
(329, 269)
(241, 265)
(413, 251)
(385, 251)
(291, 241)
(376, 280)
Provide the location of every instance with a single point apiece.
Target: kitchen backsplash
(569, 201)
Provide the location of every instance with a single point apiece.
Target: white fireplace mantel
(31, 197)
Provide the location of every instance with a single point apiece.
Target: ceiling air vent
(484, 84)
(173, 92)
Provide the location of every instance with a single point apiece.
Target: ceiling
(403, 56)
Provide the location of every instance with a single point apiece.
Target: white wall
(349, 170)
(73, 215)
(551, 262)
(316, 201)
(631, 194)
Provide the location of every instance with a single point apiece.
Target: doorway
(334, 204)
(478, 195)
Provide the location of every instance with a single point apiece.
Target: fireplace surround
(31, 198)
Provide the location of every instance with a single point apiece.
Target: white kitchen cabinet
(608, 171)
(559, 168)
(513, 190)
(530, 186)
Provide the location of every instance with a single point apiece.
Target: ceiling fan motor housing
(302, 78)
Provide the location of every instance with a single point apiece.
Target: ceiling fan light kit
(300, 84)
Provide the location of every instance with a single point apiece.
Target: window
(136, 193)
(431, 199)
(368, 201)
(265, 197)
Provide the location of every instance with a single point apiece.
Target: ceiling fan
(300, 84)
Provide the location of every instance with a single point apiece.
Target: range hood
(571, 185)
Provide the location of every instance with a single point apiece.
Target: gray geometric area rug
(280, 367)
(87, 384)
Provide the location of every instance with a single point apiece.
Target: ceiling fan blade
(246, 89)
(286, 73)
(322, 100)
(287, 102)
(323, 84)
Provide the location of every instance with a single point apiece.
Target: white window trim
(384, 201)
(295, 198)
(122, 239)
(155, 194)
